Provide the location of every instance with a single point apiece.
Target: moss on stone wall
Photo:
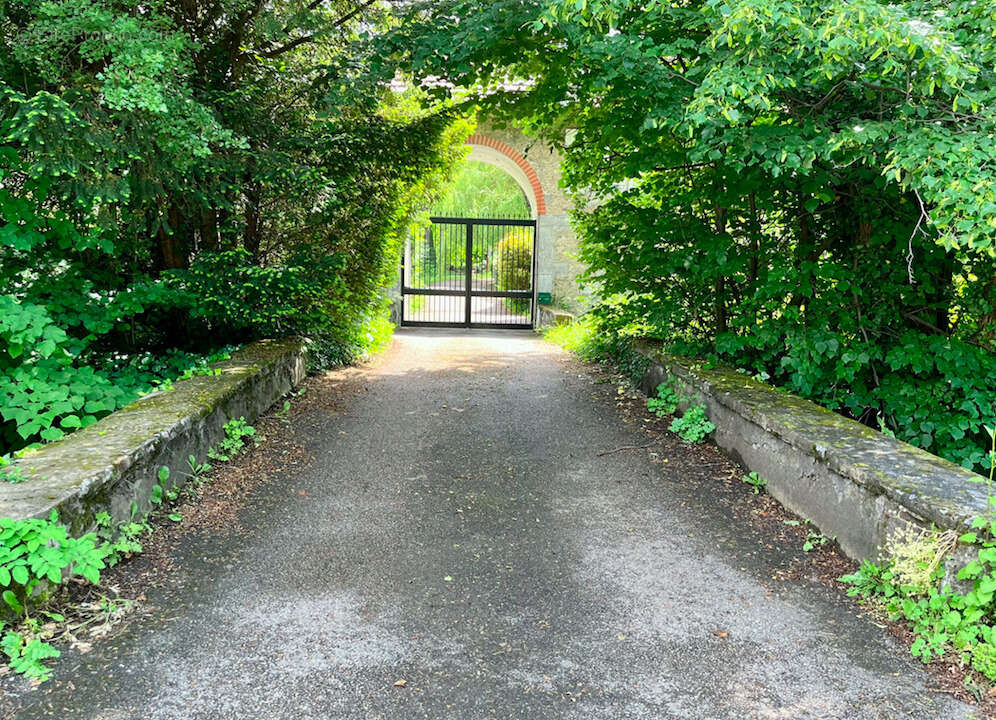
(113, 463)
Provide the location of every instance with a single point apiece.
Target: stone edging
(853, 482)
(548, 315)
(114, 463)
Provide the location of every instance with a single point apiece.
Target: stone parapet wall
(113, 465)
(854, 483)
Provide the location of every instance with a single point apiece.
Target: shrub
(514, 260)
(152, 205)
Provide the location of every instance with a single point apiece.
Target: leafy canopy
(801, 189)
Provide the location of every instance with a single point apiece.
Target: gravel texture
(448, 543)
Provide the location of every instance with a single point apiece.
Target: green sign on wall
(545, 298)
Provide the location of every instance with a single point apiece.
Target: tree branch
(287, 47)
(296, 42)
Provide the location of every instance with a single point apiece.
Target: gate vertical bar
(533, 285)
(404, 258)
(469, 263)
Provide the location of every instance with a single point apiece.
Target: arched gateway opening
(500, 154)
(474, 263)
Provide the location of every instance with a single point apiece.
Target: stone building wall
(536, 168)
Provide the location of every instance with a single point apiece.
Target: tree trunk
(174, 246)
(722, 322)
(210, 239)
(254, 222)
(755, 250)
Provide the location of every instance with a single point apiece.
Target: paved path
(456, 529)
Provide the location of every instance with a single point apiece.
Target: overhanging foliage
(804, 190)
(182, 175)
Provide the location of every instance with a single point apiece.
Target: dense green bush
(188, 176)
(844, 328)
(513, 267)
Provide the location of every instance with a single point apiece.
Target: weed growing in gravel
(282, 413)
(694, 425)
(124, 540)
(756, 482)
(26, 653)
(666, 402)
(198, 474)
(236, 432)
(33, 551)
(814, 541)
(159, 491)
(909, 586)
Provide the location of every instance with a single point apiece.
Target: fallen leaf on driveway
(721, 634)
(401, 683)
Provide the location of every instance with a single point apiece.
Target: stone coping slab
(112, 465)
(853, 481)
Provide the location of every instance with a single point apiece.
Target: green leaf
(20, 574)
(12, 602)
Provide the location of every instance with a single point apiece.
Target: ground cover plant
(39, 557)
(950, 607)
(35, 551)
(665, 402)
(802, 190)
(694, 425)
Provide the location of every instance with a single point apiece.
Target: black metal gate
(469, 272)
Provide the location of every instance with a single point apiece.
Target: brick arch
(515, 156)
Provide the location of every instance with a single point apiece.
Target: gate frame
(468, 292)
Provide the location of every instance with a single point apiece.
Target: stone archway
(535, 166)
(492, 151)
